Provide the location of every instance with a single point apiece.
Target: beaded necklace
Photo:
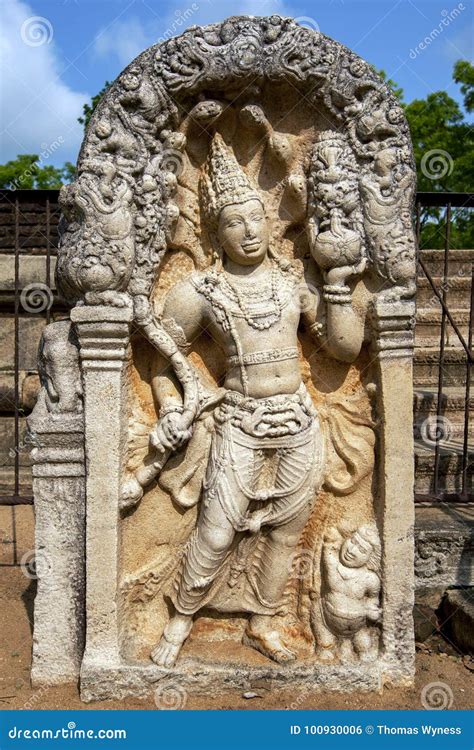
(256, 292)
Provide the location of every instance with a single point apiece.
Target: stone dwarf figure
(251, 304)
(344, 616)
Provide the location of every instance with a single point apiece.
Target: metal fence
(447, 202)
(28, 232)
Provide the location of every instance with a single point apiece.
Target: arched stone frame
(119, 215)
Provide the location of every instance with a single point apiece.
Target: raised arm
(332, 319)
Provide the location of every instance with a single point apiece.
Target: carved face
(355, 552)
(243, 232)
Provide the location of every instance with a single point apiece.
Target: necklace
(260, 304)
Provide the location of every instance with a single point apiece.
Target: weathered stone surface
(444, 547)
(458, 611)
(57, 433)
(275, 219)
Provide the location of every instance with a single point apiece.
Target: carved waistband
(273, 416)
(267, 355)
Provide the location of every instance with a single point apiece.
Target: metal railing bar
(457, 200)
(16, 355)
(16, 500)
(465, 446)
(466, 347)
(441, 344)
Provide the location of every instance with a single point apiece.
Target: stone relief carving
(252, 261)
(345, 614)
(58, 367)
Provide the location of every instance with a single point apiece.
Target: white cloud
(37, 107)
(127, 38)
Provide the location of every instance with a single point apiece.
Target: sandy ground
(437, 662)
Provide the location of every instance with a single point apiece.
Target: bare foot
(175, 633)
(269, 643)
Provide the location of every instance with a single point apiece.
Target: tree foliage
(443, 146)
(26, 172)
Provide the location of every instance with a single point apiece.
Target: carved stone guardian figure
(237, 409)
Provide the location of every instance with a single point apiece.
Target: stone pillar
(57, 434)
(103, 333)
(58, 487)
(393, 323)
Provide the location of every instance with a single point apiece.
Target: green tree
(89, 109)
(464, 75)
(392, 85)
(443, 145)
(26, 172)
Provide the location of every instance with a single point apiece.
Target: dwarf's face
(355, 552)
(243, 232)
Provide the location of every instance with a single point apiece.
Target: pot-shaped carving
(336, 246)
(95, 276)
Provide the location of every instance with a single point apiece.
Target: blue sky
(50, 66)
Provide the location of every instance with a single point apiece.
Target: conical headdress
(223, 183)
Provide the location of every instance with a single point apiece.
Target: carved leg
(326, 641)
(366, 644)
(204, 557)
(202, 564)
(275, 565)
(346, 651)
